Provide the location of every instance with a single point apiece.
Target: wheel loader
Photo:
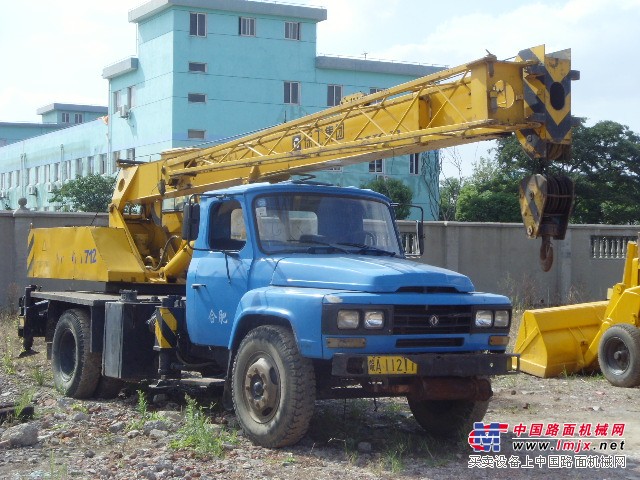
(583, 337)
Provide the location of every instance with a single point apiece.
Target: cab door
(218, 276)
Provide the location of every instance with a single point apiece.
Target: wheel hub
(618, 356)
(262, 389)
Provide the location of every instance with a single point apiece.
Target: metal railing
(610, 246)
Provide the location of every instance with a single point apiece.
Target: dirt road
(353, 439)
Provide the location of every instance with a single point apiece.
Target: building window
(292, 93)
(376, 166)
(55, 172)
(78, 167)
(131, 96)
(115, 156)
(89, 165)
(195, 134)
(131, 154)
(247, 27)
(198, 24)
(375, 90)
(334, 95)
(45, 173)
(102, 160)
(198, 67)
(66, 118)
(67, 170)
(27, 176)
(117, 100)
(292, 30)
(197, 98)
(35, 174)
(17, 177)
(414, 164)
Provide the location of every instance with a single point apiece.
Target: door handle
(198, 285)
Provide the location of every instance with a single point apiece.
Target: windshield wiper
(369, 249)
(329, 246)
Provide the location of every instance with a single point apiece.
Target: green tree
(606, 170)
(489, 194)
(397, 191)
(450, 188)
(605, 166)
(85, 194)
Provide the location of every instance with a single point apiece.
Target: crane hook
(546, 253)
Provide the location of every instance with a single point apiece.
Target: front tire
(619, 355)
(76, 370)
(273, 387)
(448, 418)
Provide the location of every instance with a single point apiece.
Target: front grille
(429, 342)
(415, 319)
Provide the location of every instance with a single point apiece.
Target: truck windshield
(324, 224)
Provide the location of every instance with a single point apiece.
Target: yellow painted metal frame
(476, 101)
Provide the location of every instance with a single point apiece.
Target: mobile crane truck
(296, 291)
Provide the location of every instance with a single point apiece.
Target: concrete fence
(499, 258)
(496, 256)
(14, 232)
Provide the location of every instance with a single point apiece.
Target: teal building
(205, 71)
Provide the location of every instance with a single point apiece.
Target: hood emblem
(434, 320)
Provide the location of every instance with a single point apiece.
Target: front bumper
(433, 364)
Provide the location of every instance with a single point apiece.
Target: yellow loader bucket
(552, 341)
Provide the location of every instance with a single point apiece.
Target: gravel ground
(355, 439)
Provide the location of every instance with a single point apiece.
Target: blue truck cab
(305, 292)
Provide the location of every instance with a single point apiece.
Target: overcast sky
(58, 54)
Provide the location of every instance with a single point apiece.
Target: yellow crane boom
(479, 100)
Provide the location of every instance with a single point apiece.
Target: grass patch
(200, 435)
(142, 407)
(25, 399)
(8, 349)
(58, 470)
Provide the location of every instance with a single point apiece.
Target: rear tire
(619, 355)
(273, 387)
(76, 370)
(448, 418)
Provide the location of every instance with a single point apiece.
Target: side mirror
(190, 221)
(410, 244)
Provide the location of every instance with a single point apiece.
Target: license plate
(390, 365)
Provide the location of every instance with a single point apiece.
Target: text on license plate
(390, 365)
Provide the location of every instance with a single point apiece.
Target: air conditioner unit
(123, 111)
(32, 190)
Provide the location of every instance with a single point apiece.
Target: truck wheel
(273, 387)
(619, 355)
(76, 370)
(448, 418)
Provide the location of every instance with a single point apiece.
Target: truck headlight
(501, 318)
(373, 319)
(348, 319)
(484, 318)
